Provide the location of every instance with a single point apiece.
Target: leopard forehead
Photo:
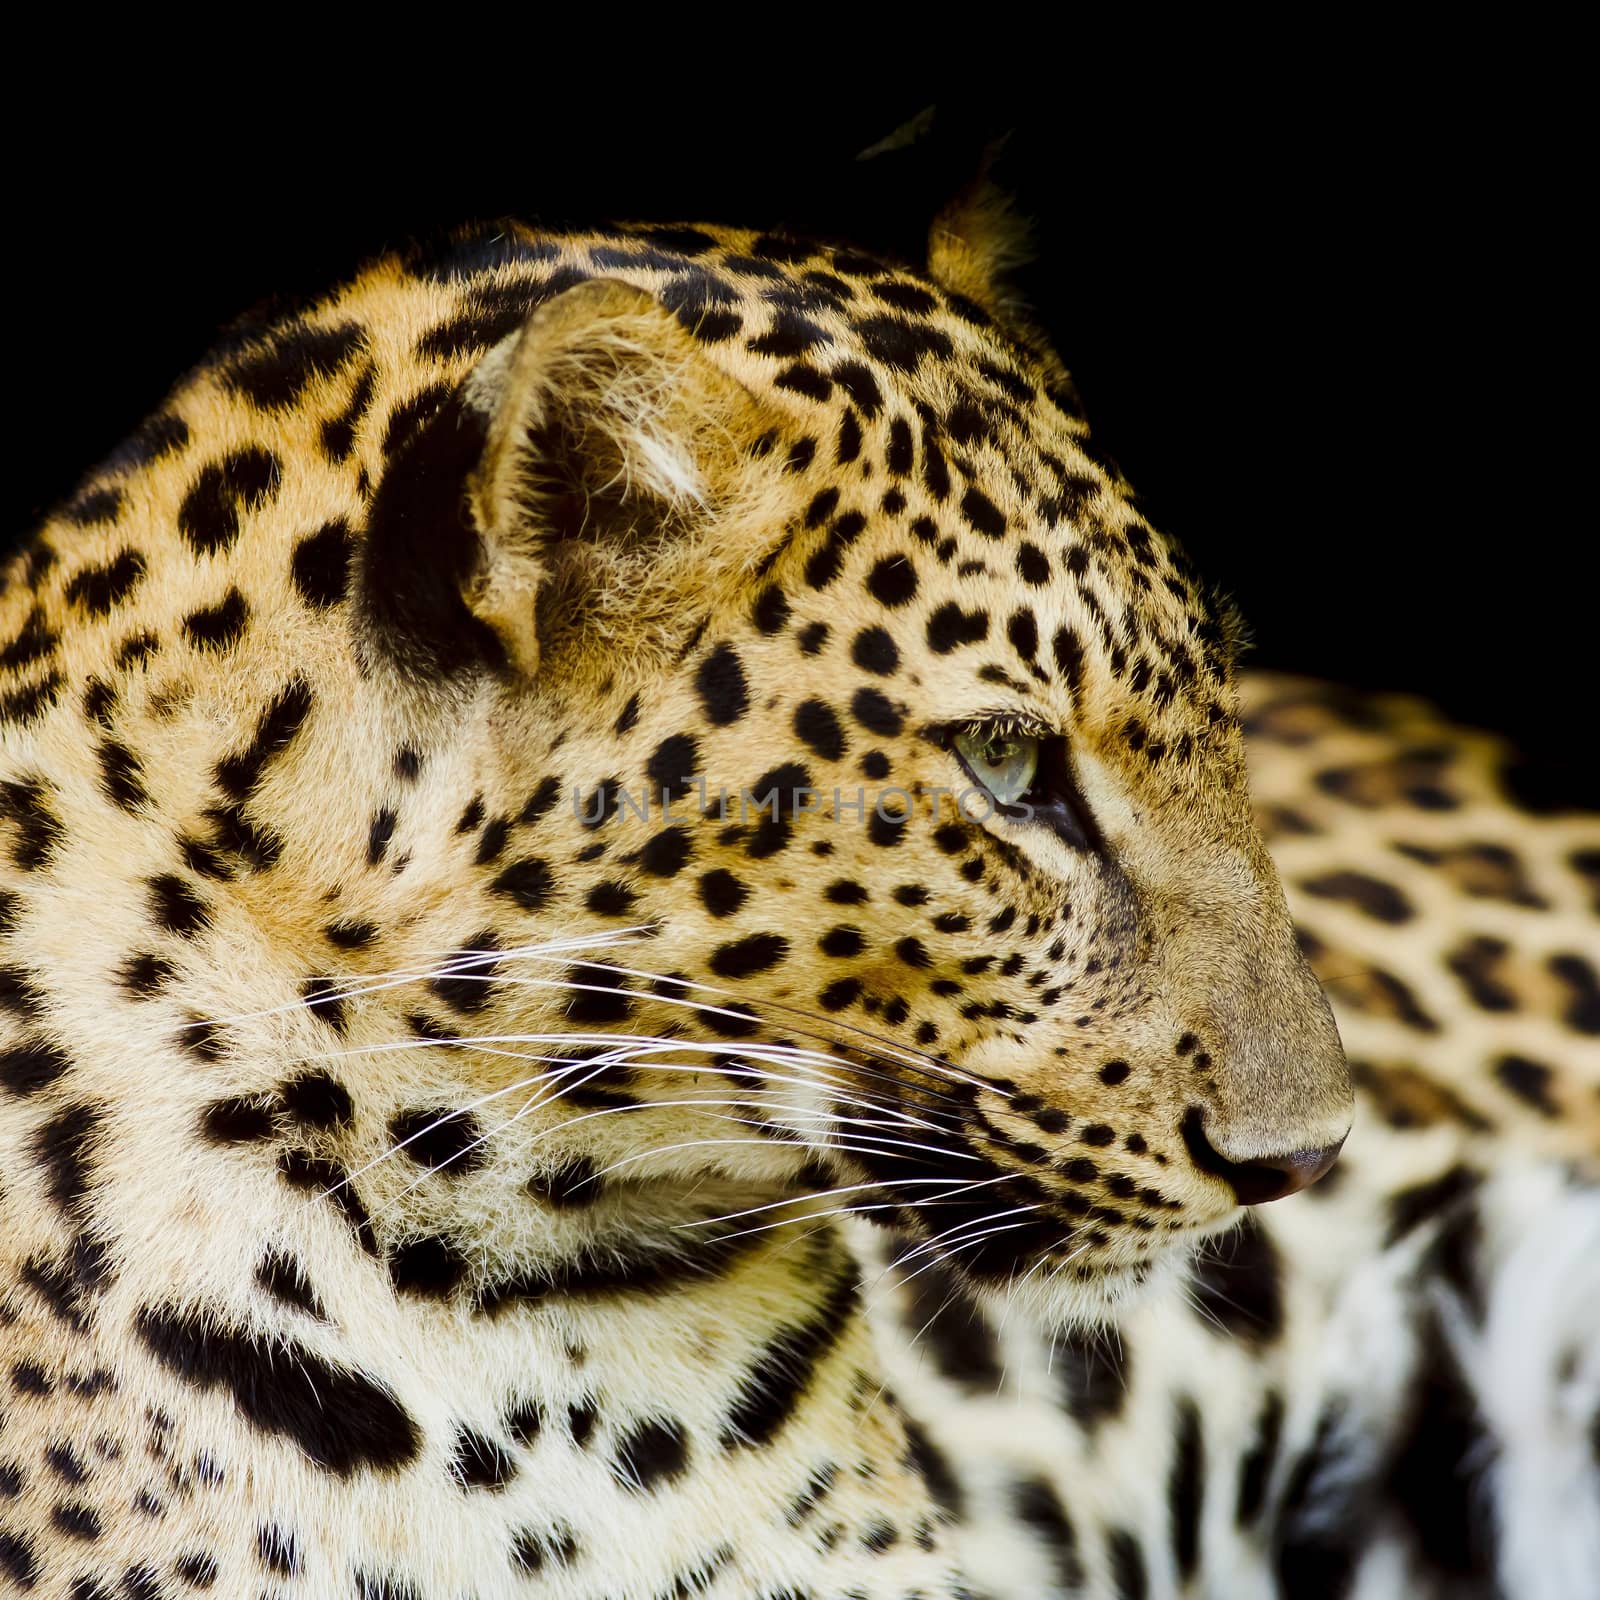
(360, 701)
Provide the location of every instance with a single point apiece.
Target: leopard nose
(1266, 1177)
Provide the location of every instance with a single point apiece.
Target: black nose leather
(1265, 1178)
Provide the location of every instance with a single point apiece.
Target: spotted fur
(453, 988)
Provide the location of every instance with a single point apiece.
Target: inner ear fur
(603, 485)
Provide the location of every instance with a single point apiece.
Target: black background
(1320, 323)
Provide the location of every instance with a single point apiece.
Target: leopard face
(585, 737)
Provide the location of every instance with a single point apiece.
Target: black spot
(277, 1550)
(76, 1521)
(98, 589)
(430, 1267)
(983, 514)
(858, 382)
(581, 1418)
(19, 995)
(343, 1420)
(238, 776)
(775, 1381)
(323, 998)
(874, 651)
(721, 683)
(817, 725)
(245, 480)
(136, 648)
(408, 422)
(275, 376)
(1094, 1370)
(29, 1377)
(350, 935)
(64, 1461)
(893, 581)
(240, 1119)
(701, 302)
(285, 1280)
(379, 835)
(1237, 1284)
(470, 988)
(771, 610)
(665, 854)
(1436, 1477)
(321, 564)
(17, 1558)
(654, 1452)
(1582, 1012)
(790, 335)
(886, 825)
(528, 882)
(197, 1569)
(218, 627)
(800, 378)
(672, 767)
(531, 1551)
(1127, 1565)
(326, 1180)
(1039, 1509)
(599, 994)
(745, 957)
(611, 899)
(1185, 1488)
(950, 627)
(540, 801)
(438, 1138)
(721, 893)
(876, 712)
(317, 1099)
(385, 1586)
(22, 706)
(1529, 1081)
(902, 345)
(1032, 565)
(1379, 900)
(849, 445)
(38, 828)
(1069, 659)
(477, 1462)
(1255, 1468)
(339, 431)
(94, 506)
(33, 1065)
(143, 975)
(174, 905)
(1411, 1207)
(525, 1421)
(823, 504)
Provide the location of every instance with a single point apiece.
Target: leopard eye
(1005, 763)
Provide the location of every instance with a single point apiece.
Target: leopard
(546, 790)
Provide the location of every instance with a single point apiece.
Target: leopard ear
(584, 482)
(975, 245)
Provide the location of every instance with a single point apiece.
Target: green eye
(1005, 763)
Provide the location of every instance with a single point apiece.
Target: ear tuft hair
(976, 243)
